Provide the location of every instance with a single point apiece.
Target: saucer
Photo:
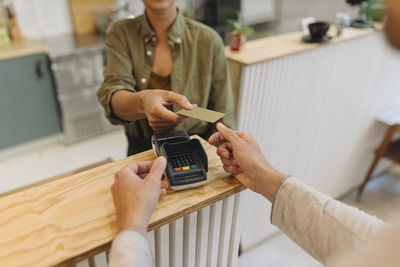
(309, 39)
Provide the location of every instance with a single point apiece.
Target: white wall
(290, 12)
(42, 18)
(257, 11)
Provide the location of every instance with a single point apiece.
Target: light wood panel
(82, 14)
(282, 45)
(54, 222)
(235, 71)
(22, 48)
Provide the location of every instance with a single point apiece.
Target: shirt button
(143, 80)
(153, 39)
(178, 40)
(148, 52)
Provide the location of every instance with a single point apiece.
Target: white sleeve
(130, 248)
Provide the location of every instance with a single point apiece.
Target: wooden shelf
(24, 47)
(54, 222)
(273, 47)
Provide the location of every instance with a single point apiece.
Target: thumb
(228, 134)
(181, 100)
(157, 170)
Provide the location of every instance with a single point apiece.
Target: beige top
(282, 45)
(332, 232)
(22, 48)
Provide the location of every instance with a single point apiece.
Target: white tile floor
(20, 166)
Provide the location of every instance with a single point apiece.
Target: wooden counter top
(273, 47)
(59, 220)
(25, 47)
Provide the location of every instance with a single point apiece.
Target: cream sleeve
(130, 248)
(322, 226)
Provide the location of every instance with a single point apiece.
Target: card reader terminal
(187, 162)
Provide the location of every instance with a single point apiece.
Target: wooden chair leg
(381, 151)
(368, 177)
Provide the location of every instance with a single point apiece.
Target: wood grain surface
(21, 48)
(82, 14)
(269, 48)
(60, 220)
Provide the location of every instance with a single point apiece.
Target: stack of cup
(342, 20)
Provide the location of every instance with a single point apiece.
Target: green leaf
(240, 26)
(237, 26)
(249, 31)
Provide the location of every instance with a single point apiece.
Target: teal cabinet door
(28, 105)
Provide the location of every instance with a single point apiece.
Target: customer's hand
(241, 156)
(136, 191)
(155, 105)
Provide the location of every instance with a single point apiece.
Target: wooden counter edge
(152, 226)
(22, 48)
(196, 207)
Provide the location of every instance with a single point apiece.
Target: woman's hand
(242, 157)
(150, 104)
(155, 105)
(136, 191)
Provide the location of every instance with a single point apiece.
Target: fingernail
(188, 103)
(221, 124)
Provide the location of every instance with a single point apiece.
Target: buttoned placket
(175, 75)
(149, 46)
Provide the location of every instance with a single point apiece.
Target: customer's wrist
(134, 222)
(271, 180)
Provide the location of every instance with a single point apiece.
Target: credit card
(202, 114)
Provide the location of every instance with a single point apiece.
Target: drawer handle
(39, 69)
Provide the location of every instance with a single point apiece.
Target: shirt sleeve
(322, 226)
(118, 72)
(221, 96)
(130, 248)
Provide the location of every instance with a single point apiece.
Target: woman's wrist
(141, 100)
(128, 105)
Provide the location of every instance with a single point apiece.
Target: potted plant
(375, 10)
(241, 30)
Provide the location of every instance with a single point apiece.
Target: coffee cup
(318, 29)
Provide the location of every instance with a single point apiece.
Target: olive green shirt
(199, 70)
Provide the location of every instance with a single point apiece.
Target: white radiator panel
(189, 239)
(225, 231)
(313, 114)
(213, 236)
(162, 246)
(176, 242)
(203, 219)
(208, 237)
